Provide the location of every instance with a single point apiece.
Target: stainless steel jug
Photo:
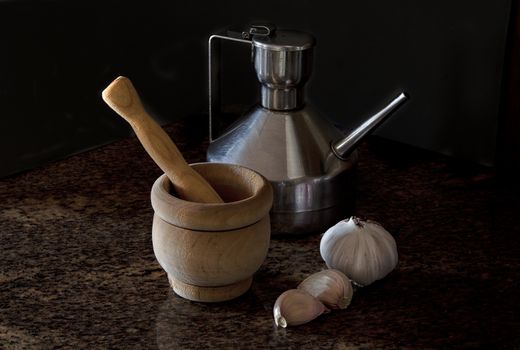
(309, 162)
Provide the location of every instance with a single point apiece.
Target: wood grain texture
(207, 258)
(122, 97)
(209, 294)
(248, 197)
(210, 262)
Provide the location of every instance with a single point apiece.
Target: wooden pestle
(189, 185)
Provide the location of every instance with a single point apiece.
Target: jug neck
(281, 99)
(283, 64)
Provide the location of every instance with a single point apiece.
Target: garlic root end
(280, 322)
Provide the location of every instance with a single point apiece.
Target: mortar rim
(213, 216)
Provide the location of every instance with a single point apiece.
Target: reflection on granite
(77, 268)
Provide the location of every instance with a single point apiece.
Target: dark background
(452, 57)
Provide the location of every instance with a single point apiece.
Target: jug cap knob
(264, 29)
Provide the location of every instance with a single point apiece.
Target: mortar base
(209, 294)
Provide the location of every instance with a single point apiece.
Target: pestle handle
(122, 97)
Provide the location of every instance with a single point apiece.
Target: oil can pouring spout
(343, 148)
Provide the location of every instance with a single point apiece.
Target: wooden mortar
(210, 251)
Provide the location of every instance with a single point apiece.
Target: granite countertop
(77, 268)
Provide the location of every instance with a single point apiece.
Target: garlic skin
(294, 307)
(331, 287)
(362, 250)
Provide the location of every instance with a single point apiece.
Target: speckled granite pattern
(77, 268)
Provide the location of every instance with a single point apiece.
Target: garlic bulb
(331, 287)
(294, 307)
(362, 250)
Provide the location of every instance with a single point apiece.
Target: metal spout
(344, 147)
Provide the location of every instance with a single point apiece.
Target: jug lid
(285, 40)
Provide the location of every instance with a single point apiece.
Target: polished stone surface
(77, 268)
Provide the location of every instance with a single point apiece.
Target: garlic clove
(331, 287)
(362, 250)
(294, 307)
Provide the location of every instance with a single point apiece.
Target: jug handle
(240, 36)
